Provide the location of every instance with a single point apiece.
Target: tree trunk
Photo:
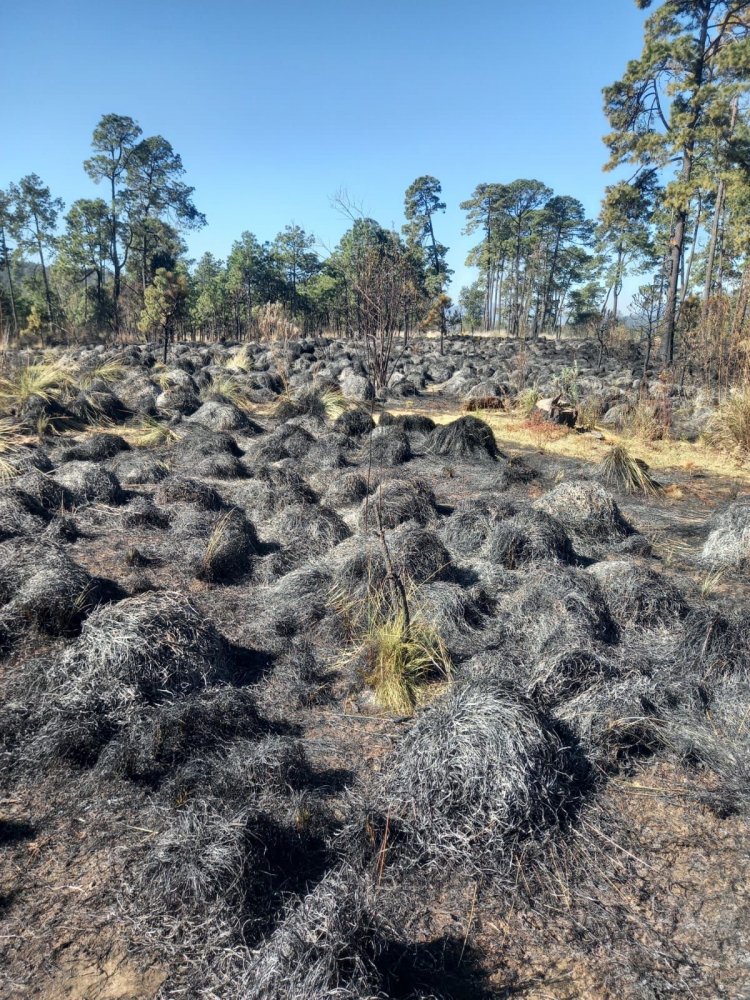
(678, 237)
(6, 258)
(45, 277)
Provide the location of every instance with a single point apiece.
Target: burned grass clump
(354, 422)
(88, 483)
(637, 596)
(586, 510)
(326, 946)
(184, 489)
(94, 448)
(177, 732)
(144, 648)
(478, 772)
(386, 446)
(346, 490)
(229, 550)
(529, 536)
(466, 439)
(42, 588)
(396, 501)
(728, 543)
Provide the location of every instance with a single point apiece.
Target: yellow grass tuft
(401, 663)
(45, 380)
(109, 372)
(241, 361)
(151, 433)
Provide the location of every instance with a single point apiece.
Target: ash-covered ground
(304, 699)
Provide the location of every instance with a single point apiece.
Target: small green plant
(567, 380)
(527, 400)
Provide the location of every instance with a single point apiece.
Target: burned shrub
(396, 501)
(617, 720)
(43, 588)
(586, 510)
(291, 606)
(455, 615)
(213, 454)
(478, 771)
(466, 439)
(638, 597)
(555, 609)
(87, 482)
(179, 399)
(283, 488)
(198, 860)
(525, 537)
(308, 530)
(295, 440)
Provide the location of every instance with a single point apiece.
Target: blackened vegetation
(191, 602)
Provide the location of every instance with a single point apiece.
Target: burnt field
(306, 693)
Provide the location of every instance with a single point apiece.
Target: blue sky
(275, 106)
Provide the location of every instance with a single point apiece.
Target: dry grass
(46, 380)
(231, 389)
(241, 361)
(110, 372)
(621, 470)
(151, 433)
(511, 431)
(9, 443)
(403, 663)
(730, 428)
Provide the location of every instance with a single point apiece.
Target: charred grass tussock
(478, 772)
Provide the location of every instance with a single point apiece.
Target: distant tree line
(679, 216)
